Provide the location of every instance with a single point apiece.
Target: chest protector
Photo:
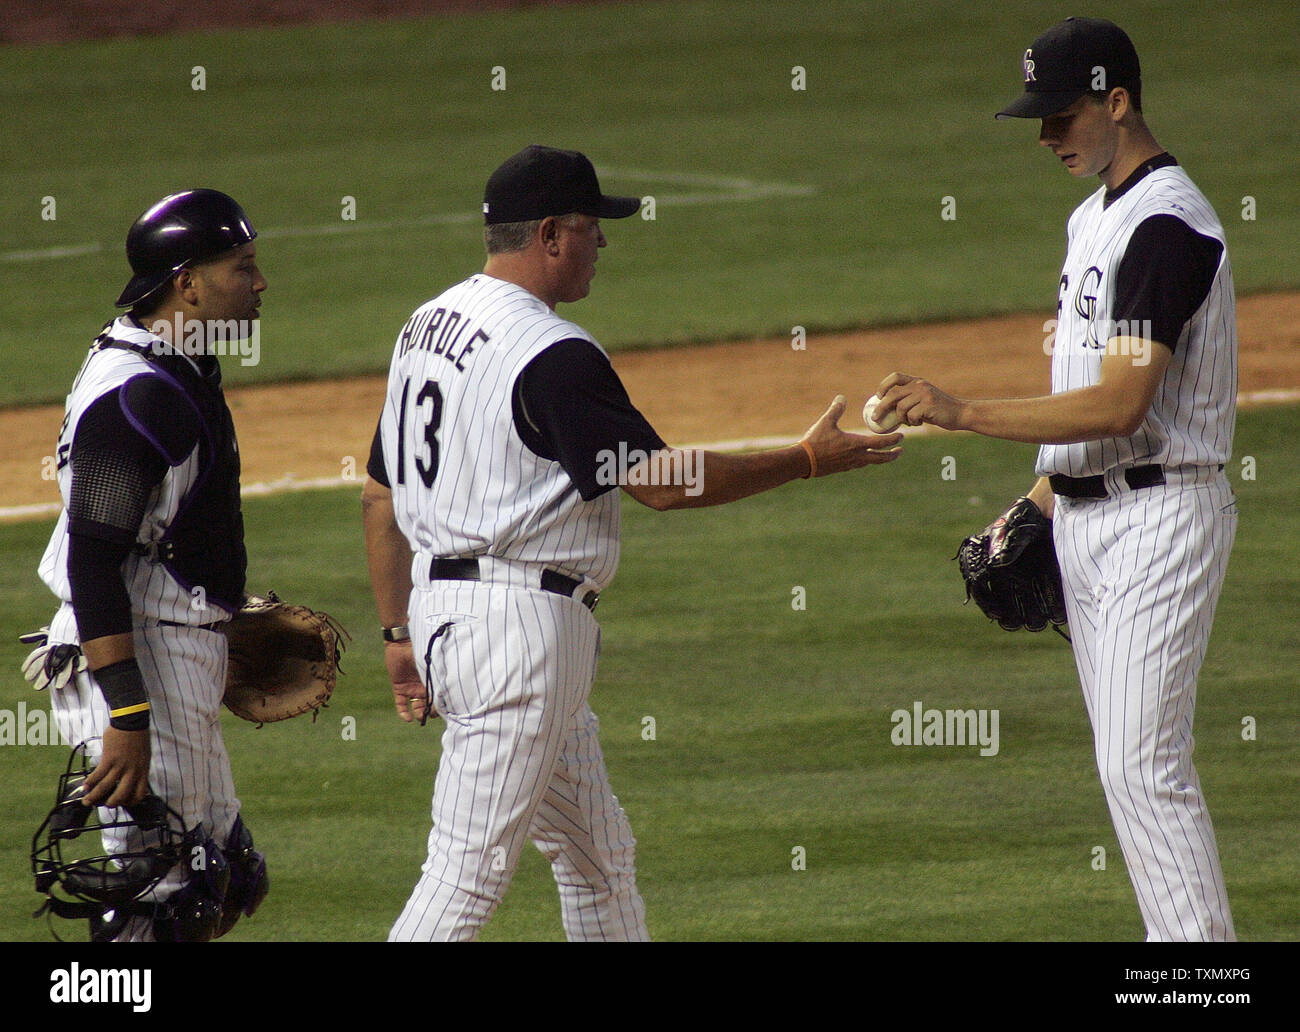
(203, 543)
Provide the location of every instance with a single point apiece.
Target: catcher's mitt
(284, 659)
(1011, 571)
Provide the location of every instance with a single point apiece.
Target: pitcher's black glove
(1011, 572)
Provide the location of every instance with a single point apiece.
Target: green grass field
(775, 207)
(772, 726)
(683, 101)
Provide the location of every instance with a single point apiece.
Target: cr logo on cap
(1029, 66)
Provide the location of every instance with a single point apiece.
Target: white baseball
(892, 419)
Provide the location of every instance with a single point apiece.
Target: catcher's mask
(69, 854)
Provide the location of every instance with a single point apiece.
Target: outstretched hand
(838, 452)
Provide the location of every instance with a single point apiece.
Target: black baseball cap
(1077, 56)
(541, 181)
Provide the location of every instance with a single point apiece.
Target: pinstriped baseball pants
(184, 670)
(1142, 571)
(511, 670)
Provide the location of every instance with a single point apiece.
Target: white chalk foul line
(290, 482)
(46, 253)
(30, 512)
(1279, 397)
(260, 489)
(709, 189)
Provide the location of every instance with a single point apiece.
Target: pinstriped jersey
(1193, 414)
(463, 481)
(153, 590)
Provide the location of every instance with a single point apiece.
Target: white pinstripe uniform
(510, 666)
(183, 667)
(1143, 568)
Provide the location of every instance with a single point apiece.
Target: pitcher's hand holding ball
(915, 401)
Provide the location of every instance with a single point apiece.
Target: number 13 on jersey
(428, 409)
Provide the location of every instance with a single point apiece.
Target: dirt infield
(710, 393)
(722, 392)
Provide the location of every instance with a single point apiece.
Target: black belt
(552, 580)
(216, 625)
(1095, 487)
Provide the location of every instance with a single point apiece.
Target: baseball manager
(492, 526)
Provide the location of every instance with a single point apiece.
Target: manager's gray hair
(509, 237)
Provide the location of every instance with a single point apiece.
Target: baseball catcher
(1011, 572)
(284, 659)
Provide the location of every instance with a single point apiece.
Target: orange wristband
(812, 460)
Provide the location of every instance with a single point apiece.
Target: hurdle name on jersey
(449, 328)
(441, 335)
(463, 481)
